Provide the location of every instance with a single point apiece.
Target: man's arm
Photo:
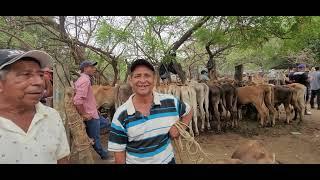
(174, 133)
(81, 111)
(120, 157)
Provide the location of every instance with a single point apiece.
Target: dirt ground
(289, 146)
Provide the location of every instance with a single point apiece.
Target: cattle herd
(220, 103)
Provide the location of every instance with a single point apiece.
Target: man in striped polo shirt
(142, 127)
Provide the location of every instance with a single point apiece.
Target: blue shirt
(146, 139)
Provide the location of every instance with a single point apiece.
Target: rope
(190, 144)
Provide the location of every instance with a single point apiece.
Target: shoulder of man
(52, 113)
(121, 112)
(82, 80)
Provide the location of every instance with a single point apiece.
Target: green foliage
(108, 34)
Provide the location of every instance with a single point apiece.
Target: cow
(283, 95)
(256, 96)
(298, 99)
(104, 95)
(250, 152)
(229, 101)
(269, 100)
(202, 91)
(122, 94)
(215, 94)
(188, 95)
(254, 152)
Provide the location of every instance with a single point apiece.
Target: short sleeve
(118, 138)
(182, 108)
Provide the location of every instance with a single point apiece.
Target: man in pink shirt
(85, 103)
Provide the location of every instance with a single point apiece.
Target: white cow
(202, 91)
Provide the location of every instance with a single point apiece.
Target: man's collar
(84, 74)
(130, 107)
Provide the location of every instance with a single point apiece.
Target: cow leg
(234, 112)
(261, 112)
(206, 106)
(271, 112)
(288, 112)
(217, 116)
(202, 113)
(193, 99)
(301, 112)
(276, 107)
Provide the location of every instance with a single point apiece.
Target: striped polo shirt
(146, 139)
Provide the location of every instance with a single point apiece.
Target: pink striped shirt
(84, 95)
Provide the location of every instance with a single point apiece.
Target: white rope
(197, 155)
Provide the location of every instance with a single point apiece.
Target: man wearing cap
(29, 131)
(141, 128)
(301, 76)
(204, 76)
(315, 87)
(85, 103)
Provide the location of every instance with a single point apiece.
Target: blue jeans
(104, 123)
(93, 131)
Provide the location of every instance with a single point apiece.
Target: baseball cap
(301, 66)
(141, 62)
(9, 56)
(87, 63)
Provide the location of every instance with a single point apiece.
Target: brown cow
(229, 99)
(256, 96)
(298, 100)
(215, 94)
(269, 100)
(104, 95)
(283, 95)
(250, 152)
(122, 94)
(254, 152)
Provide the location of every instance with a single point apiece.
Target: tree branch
(25, 44)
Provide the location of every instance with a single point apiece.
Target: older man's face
(24, 83)
(142, 81)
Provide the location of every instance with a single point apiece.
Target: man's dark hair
(317, 68)
(203, 72)
(141, 62)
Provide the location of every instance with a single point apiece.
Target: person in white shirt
(315, 87)
(30, 133)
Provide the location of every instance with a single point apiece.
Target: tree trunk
(80, 143)
(170, 55)
(238, 73)
(127, 73)
(114, 65)
(211, 65)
